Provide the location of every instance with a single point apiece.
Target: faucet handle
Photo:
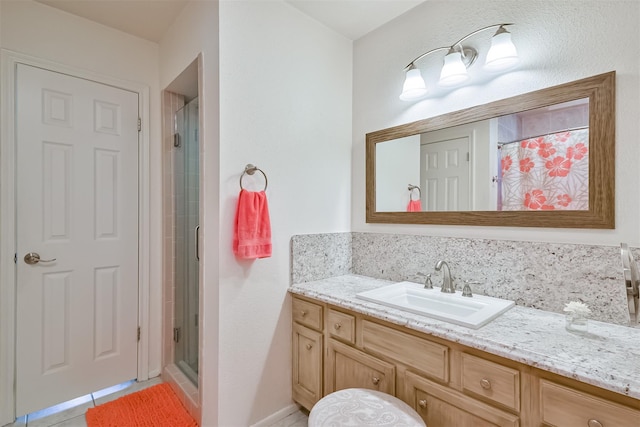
(428, 284)
(466, 290)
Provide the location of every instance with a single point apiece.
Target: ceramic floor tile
(20, 422)
(297, 419)
(136, 386)
(78, 421)
(110, 390)
(59, 417)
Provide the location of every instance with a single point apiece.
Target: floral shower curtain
(546, 173)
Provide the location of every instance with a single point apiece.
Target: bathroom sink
(472, 312)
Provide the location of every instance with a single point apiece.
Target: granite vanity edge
(625, 385)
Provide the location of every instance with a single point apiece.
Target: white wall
(194, 32)
(558, 41)
(397, 165)
(285, 106)
(37, 30)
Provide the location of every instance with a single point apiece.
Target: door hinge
(138, 333)
(468, 155)
(139, 124)
(176, 334)
(15, 258)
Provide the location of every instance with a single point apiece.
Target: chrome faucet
(447, 281)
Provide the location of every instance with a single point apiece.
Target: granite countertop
(608, 356)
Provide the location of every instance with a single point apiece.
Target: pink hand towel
(414, 206)
(252, 228)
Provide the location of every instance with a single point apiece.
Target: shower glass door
(186, 195)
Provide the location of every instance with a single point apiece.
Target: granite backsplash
(539, 275)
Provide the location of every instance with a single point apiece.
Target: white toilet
(359, 407)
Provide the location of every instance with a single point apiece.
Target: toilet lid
(359, 407)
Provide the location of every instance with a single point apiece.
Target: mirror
(541, 159)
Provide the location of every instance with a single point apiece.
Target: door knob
(34, 258)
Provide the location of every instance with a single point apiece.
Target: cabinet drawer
(342, 325)
(491, 380)
(427, 356)
(307, 313)
(565, 407)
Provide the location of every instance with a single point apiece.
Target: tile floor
(297, 419)
(74, 416)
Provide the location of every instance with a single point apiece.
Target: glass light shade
(414, 87)
(453, 71)
(503, 54)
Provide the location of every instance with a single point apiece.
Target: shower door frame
(8, 63)
(186, 142)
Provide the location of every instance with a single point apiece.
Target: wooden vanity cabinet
(447, 383)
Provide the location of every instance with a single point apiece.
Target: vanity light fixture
(502, 55)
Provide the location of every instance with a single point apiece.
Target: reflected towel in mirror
(414, 206)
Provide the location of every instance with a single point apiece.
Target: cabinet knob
(304, 313)
(486, 384)
(375, 380)
(309, 346)
(422, 403)
(594, 423)
(337, 326)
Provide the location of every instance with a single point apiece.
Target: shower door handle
(197, 240)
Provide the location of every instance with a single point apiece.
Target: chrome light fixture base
(501, 56)
(469, 56)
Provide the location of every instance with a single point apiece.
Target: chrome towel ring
(250, 170)
(412, 187)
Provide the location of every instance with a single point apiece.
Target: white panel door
(77, 203)
(444, 175)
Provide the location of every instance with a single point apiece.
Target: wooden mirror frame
(599, 89)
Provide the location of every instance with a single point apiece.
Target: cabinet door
(307, 365)
(440, 406)
(348, 367)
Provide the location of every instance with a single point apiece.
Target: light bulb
(454, 72)
(503, 54)
(414, 87)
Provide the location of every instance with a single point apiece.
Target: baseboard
(277, 416)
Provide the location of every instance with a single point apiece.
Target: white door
(444, 175)
(77, 203)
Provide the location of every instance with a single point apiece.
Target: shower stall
(186, 188)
